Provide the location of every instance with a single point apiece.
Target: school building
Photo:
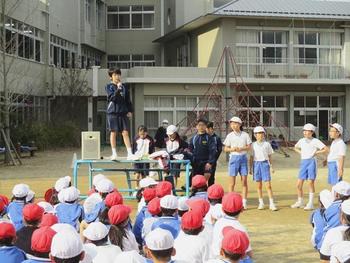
(293, 55)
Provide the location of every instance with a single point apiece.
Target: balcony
(278, 68)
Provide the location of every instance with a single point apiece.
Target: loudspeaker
(90, 146)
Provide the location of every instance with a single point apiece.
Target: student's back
(172, 222)
(15, 213)
(69, 213)
(11, 254)
(332, 215)
(318, 222)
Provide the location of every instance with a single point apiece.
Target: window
(99, 14)
(63, 53)
(130, 17)
(129, 61)
(307, 51)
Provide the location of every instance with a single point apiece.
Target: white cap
(182, 204)
(90, 202)
(105, 186)
(159, 239)
(147, 181)
(20, 190)
(169, 202)
(258, 129)
(129, 257)
(97, 178)
(338, 127)
(342, 188)
(341, 251)
(62, 183)
(171, 129)
(62, 227)
(30, 196)
(165, 121)
(345, 207)
(326, 198)
(48, 208)
(309, 127)
(66, 245)
(236, 119)
(69, 194)
(95, 231)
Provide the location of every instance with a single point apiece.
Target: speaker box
(90, 146)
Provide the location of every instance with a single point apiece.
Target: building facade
(294, 56)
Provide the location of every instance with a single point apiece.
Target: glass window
(268, 37)
(254, 118)
(112, 8)
(21, 45)
(311, 38)
(180, 101)
(311, 117)
(136, 20)
(254, 101)
(151, 119)
(299, 118)
(136, 8)
(281, 119)
(124, 8)
(166, 115)
(151, 101)
(148, 8)
(268, 101)
(166, 102)
(281, 101)
(191, 102)
(243, 100)
(37, 50)
(299, 102)
(325, 101)
(335, 102)
(112, 21)
(148, 20)
(267, 118)
(124, 20)
(311, 102)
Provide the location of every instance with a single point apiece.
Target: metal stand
(9, 148)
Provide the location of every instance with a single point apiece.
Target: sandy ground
(282, 236)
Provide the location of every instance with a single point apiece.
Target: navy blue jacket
(203, 148)
(218, 144)
(118, 99)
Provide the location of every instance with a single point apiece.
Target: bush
(47, 136)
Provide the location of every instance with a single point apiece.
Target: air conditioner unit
(90, 146)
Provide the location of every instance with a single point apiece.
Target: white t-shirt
(240, 140)
(129, 242)
(147, 226)
(309, 147)
(191, 248)
(218, 236)
(141, 204)
(215, 211)
(332, 237)
(261, 151)
(106, 253)
(337, 150)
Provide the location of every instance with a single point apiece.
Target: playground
(282, 236)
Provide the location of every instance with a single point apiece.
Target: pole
(227, 91)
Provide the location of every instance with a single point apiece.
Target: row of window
(130, 17)
(23, 40)
(63, 53)
(129, 61)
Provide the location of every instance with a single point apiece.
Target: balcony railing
(279, 68)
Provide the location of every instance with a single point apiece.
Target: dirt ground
(282, 236)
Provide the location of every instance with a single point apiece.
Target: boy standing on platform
(119, 110)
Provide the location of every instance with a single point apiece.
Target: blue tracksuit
(118, 99)
(200, 195)
(15, 213)
(137, 228)
(69, 213)
(318, 222)
(11, 254)
(169, 223)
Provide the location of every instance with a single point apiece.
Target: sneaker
(261, 206)
(113, 157)
(309, 206)
(132, 157)
(297, 205)
(245, 205)
(273, 207)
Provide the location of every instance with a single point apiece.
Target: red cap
(118, 214)
(199, 205)
(32, 212)
(48, 195)
(4, 199)
(149, 194)
(234, 241)
(42, 238)
(2, 205)
(215, 191)
(199, 181)
(48, 220)
(163, 188)
(191, 220)
(114, 198)
(7, 230)
(232, 202)
(153, 206)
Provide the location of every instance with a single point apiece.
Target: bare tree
(9, 70)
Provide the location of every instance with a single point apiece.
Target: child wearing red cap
(41, 245)
(199, 187)
(189, 244)
(233, 247)
(119, 233)
(32, 215)
(232, 206)
(163, 188)
(8, 252)
(215, 195)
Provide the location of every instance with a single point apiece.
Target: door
(323, 125)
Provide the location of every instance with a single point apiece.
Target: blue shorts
(308, 169)
(261, 171)
(333, 173)
(117, 123)
(238, 164)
